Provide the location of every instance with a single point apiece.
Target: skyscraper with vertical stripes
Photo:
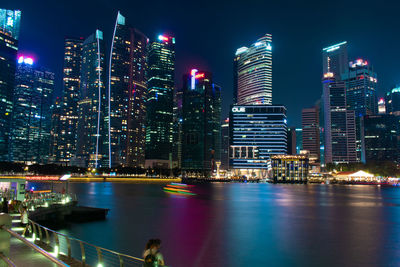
(253, 73)
(92, 107)
(127, 89)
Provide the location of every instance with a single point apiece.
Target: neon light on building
(193, 81)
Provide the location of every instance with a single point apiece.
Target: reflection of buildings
(92, 131)
(159, 105)
(256, 133)
(127, 89)
(379, 135)
(289, 168)
(201, 126)
(9, 33)
(31, 119)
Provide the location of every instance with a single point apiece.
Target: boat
(179, 189)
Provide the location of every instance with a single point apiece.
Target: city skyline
(217, 58)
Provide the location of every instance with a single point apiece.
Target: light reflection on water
(248, 224)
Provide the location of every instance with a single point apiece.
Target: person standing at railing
(4, 207)
(152, 255)
(24, 220)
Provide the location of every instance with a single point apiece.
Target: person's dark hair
(157, 242)
(149, 244)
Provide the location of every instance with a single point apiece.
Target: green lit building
(160, 102)
(201, 126)
(9, 33)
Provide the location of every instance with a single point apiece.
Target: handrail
(7, 260)
(84, 242)
(83, 246)
(35, 247)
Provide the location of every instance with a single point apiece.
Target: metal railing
(7, 260)
(38, 249)
(47, 199)
(87, 254)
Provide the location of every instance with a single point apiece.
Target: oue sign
(239, 109)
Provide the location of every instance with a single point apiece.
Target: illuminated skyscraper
(159, 107)
(31, 118)
(92, 106)
(310, 132)
(253, 74)
(66, 134)
(339, 121)
(9, 33)
(201, 126)
(392, 100)
(127, 90)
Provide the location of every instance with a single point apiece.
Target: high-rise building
(9, 33)
(225, 145)
(392, 100)
(177, 128)
(127, 89)
(339, 128)
(299, 140)
(160, 104)
(361, 85)
(311, 132)
(256, 133)
(92, 107)
(253, 73)
(379, 136)
(66, 134)
(339, 121)
(31, 118)
(381, 106)
(291, 137)
(201, 126)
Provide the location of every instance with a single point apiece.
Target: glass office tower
(128, 91)
(31, 118)
(160, 102)
(92, 107)
(9, 33)
(201, 126)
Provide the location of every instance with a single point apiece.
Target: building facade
(31, 118)
(201, 126)
(9, 33)
(253, 73)
(339, 122)
(160, 104)
(311, 132)
(392, 100)
(92, 106)
(225, 145)
(289, 168)
(292, 143)
(128, 91)
(256, 133)
(380, 138)
(65, 136)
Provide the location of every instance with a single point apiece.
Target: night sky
(209, 32)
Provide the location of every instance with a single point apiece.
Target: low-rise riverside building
(289, 168)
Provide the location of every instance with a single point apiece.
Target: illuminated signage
(334, 47)
(193, 81)
(241, 50)
(328, 75)
(200, 75)
(239, 109)
(269, 47)
(26, 60)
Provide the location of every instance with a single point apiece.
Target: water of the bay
(247, 224)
